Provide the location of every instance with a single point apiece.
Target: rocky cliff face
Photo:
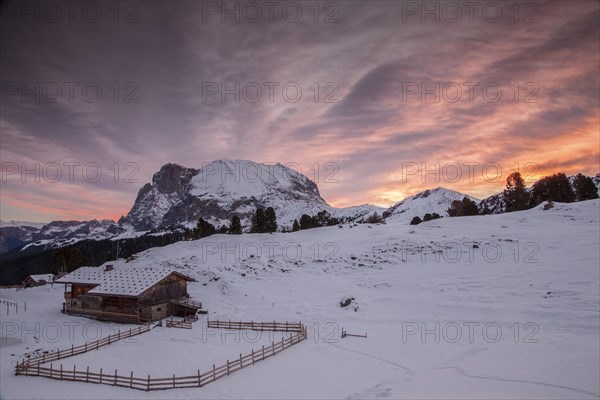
(168, 188)
(219, 190)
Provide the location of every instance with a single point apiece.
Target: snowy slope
(486, 307)
(436, 200)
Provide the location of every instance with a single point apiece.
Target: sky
(373, 100)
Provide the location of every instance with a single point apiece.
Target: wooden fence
(197, 380)
(258, 326)
(179, 324)
(73, 351)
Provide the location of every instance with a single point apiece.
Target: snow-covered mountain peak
(220, 189)
(245, 179)
(430, 201)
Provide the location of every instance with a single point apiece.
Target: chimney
(108, 267)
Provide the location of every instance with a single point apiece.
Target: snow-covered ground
(497, 306)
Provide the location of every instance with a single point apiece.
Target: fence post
(58, 357)
(148, 386)
(263, 353)
(43, 358)
(173, 380)
(72, 348)
(25, 306)
(100, 375)
(241, 364)
(38, 372)
(252, 356)
(199, 383)
(214, 374)
(273, 347)
(227, 367)
(51, 369)
(131, 379)
(87, 374)
(73, 371)
(115, 377)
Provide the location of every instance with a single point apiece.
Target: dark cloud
(370, 54)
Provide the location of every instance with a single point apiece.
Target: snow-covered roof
(121, 280)
(42, 277)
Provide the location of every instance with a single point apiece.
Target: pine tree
(456, 209)
(515, 195)
(270, 220)
(258, 221)
(306, 222)
(374, 218)
(416, 221)
(235, 226)
(552, 188)
(90, 259)
(470, 207)
(585, 188)
(295, 226)
(463, 208)
(203, 229)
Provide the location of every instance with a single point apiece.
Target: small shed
(127, 294)
(38, 280)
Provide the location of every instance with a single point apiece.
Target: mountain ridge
(178, 196)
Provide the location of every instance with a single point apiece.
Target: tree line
(516, 196)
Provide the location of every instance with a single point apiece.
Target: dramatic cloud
(393, 94)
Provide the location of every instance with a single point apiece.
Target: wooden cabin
(38, 280)
(127, 294)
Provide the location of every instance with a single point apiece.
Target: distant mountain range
(178, 196)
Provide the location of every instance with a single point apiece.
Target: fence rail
(257, 326)
(179, 324)
(33, 367)
(75, 350)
